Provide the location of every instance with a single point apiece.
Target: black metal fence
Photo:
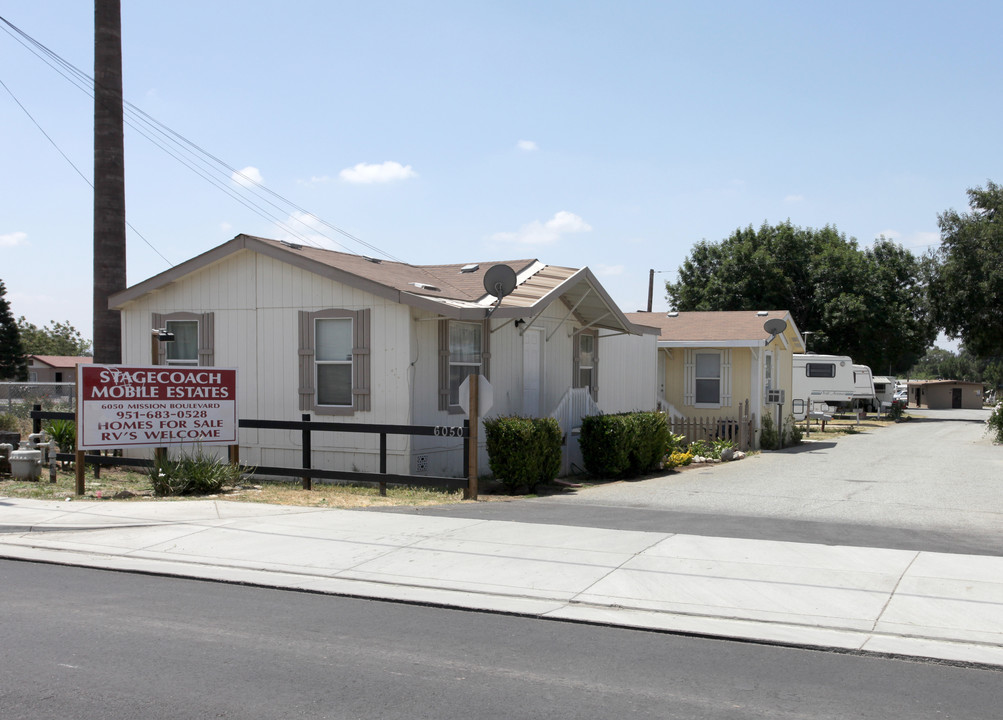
(306, 472)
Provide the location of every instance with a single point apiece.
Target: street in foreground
(91, 643)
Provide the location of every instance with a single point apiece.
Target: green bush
(769, 436)
(196, 474)
(523, 452)
(9, 423)
(897, 410)
(994, 424)
(64, 432)
(626, 444)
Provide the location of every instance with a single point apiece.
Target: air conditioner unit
(774, 397)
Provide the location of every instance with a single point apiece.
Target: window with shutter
(334, 361)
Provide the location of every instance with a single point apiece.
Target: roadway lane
(81, 643)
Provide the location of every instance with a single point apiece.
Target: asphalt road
(82, 643)
(933, 483)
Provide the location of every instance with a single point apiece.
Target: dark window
(820, 370)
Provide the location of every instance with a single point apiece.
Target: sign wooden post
(471, 493)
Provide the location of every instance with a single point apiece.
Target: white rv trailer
(863, 392)
(821, 379)
(884, 389)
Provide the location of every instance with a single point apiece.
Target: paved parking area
(932, 483)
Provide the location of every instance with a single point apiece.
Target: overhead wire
(195, 158)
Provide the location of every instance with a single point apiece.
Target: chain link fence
(18, 398)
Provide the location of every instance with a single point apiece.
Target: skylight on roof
(425, 286)
(373, 260)
(292, 245)
(472, 267)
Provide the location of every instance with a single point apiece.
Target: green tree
(869, 304)
(966, 278)
(56, 338)
(13, 362)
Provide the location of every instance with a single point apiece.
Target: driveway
(932, 483)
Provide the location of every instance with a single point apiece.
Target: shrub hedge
(523, 452)
(625, 444)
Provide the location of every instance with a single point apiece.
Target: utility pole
(651, 287)
(109, 180)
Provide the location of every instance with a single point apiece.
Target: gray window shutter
(361, 368)
(576, 361)
(486, 350)
(595, 365)
(689, 377)
(306, 388)
(443, 365)
(207, 338)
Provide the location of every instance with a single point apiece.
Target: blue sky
(612, 135)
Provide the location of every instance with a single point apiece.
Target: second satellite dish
(499, 280)
(775, 326)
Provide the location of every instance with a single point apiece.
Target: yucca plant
(193, 474)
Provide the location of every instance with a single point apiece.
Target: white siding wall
(444, 456)
(256, 301)
(628, 366)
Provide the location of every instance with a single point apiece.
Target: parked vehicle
(821, 379)
(902, 396)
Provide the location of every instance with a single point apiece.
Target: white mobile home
(359, 340)
(821, 379)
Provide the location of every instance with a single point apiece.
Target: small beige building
(362, 340)
(711, 363)
(945, 394)
(55, 368)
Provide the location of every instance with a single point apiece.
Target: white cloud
(248, 177)
(366, 173)
(794, 199)
(527, 145)
(546, 233)
(316, 180)
(12, 239)
(890, 234)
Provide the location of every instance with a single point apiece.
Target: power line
(250, 193)
(72, 165)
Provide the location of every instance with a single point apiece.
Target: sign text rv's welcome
(122, 406)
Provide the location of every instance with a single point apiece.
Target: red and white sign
(122, 406)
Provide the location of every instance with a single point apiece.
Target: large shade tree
(55, 338)
(868, 304)
(966, 280)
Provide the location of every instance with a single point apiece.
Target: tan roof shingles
(451, 281)
(716, 325)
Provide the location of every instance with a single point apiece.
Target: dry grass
(844, 425)
(129, 485)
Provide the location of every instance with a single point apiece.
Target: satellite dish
(775, 326)
(499, 281)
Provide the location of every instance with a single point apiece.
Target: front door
(532, 363)
(955, 397)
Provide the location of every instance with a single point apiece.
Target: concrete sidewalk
(920, 604)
